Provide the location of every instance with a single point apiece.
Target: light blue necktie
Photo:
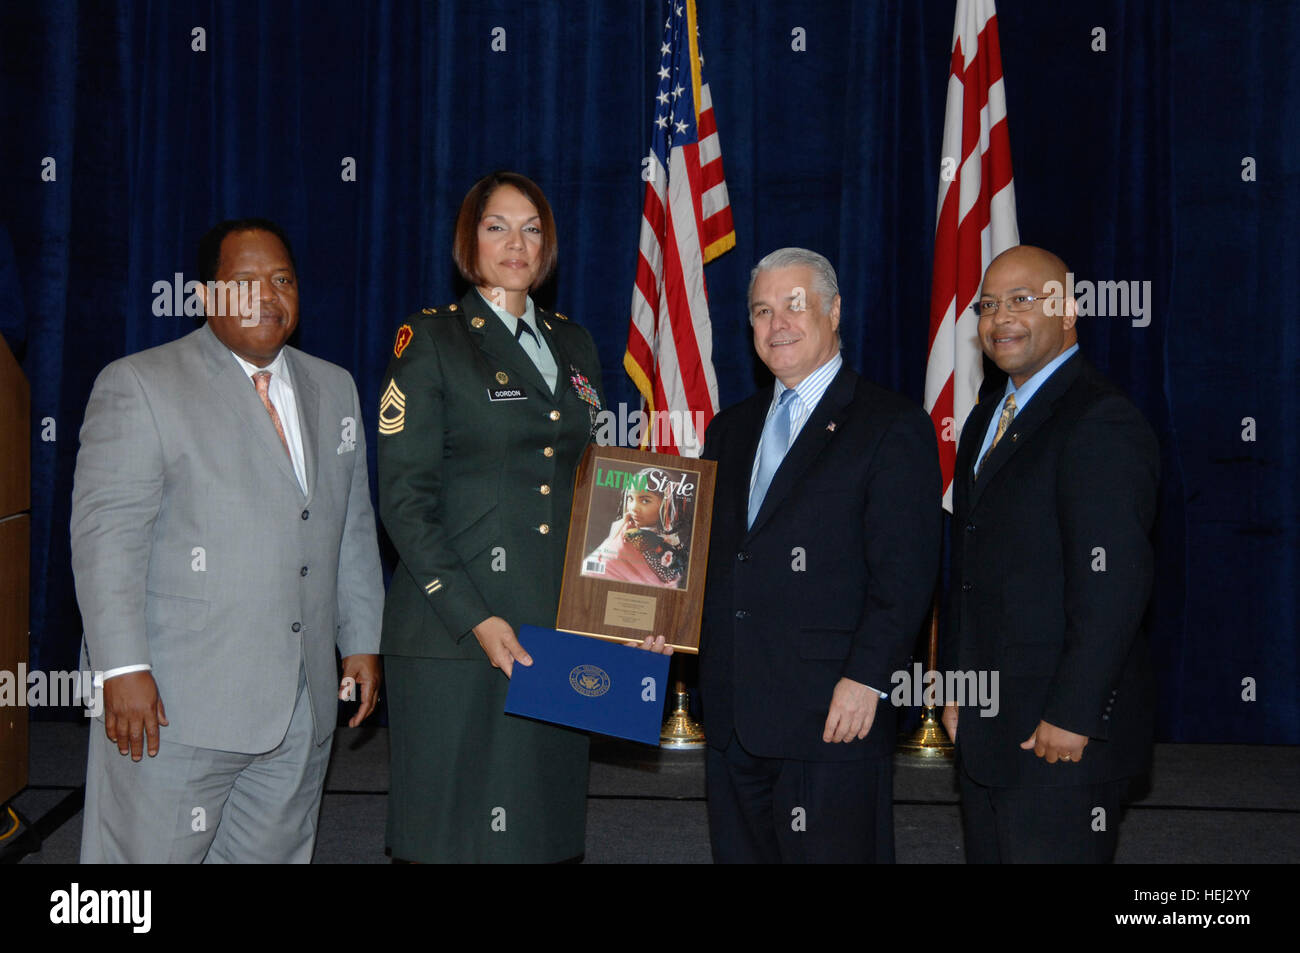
(775, 440)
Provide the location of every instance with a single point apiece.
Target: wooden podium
(15, 536)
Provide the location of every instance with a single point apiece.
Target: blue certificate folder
(587, 683)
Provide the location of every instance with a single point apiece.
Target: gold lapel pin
(477, 323)
(502, 378)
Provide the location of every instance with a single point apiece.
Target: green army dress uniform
(476, 466)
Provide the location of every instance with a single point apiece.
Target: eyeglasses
(1016, 303)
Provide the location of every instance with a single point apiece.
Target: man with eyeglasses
(1053, 500)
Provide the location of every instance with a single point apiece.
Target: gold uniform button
(555, 415)
(544, 528)
(548, 451)
(544, 489)
(453, 307)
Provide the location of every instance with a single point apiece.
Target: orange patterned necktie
(262, 381)
(1008, 411)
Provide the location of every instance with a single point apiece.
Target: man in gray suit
(223, 544)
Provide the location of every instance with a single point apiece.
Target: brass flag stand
(929, 744)
(681, 732)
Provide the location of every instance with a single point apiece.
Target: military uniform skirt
(471, 784)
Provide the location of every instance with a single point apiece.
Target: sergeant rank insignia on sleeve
(403, 338)
(392, 410)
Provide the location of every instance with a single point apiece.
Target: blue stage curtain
(1128, 162)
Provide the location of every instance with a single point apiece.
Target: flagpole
(975, 172)
(929, 744)
(685, 223)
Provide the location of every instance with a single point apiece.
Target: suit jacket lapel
(976, 425)
(307, 396)
(1024, 424)
(503, 351)
(741, 456)
(240, 395)
(816, 433)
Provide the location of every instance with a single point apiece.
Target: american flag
(976, 222)
(685, 223)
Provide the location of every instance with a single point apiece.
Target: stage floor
(1207, 804)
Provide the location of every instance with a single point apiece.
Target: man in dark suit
(822, 558)
(1053, 500)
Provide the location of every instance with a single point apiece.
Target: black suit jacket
(833, 580)
(1051, 572)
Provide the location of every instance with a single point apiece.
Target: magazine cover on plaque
(638, 546)
(639, 524)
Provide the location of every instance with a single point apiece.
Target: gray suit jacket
(195, 550)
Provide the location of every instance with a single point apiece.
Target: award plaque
(638, 547)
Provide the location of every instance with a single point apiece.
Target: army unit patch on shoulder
(392, 410)
(404, 335)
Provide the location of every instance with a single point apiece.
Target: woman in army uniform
(487, 408)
